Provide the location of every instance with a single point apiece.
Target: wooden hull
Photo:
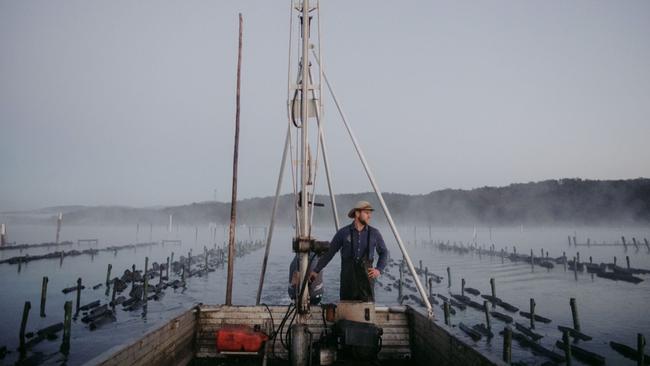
(407, 336)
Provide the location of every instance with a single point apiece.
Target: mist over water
(608, 310)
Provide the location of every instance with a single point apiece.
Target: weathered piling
(488, 324)
(114, 291)
(43, 295)
(58, 226)
(624, 243)
(462, 287)
(567, 347)
(67, 325)
(532, 313)
(172, 260)
(108, 274)
(430, 282)
(160, 275)
(167, 269)
(614, 260)
(640, 345)
(569, 240)
(78, 294)
(627, 260)
(574, 314)
(577, 257)
(647, 244)
(400, 285)
(575, 266)
(532, 259)
(23, 325)
(132, 277)
(507, 345)
(3, 235)
(448, 277)
(493, 287)
(146, 279)
(564, 260)
(445, 309)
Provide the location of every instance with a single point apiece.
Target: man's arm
(382, 251)
(335, 245)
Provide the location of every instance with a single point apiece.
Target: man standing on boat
(357, 243)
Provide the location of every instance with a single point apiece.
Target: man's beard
(363, 222)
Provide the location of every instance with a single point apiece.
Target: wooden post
(532, 313)
(614, 260)
(3, 235)
(507, 345)
(401, 281)
(23, 324)
(146, 279)
(624, 243)
(445, 309)
(108, 274)
(420, 265)
(567, 347)
(575, 266)
(640, 345)
(564, 256)
(448, 277)
(172, 260)
(167, 269)
(569, 240)
(635, 243)
(58, 226)
(67, 325)
(430, 282)
(493, 286)
(532, 259)
(578, 257)
(78, 294)
(462, 287)
(487, 315)
(574, 314)
(233, 205)
(647, 244)
(114, 291)
(160, 276)
(132, 276)
(44, 295)
(591, 261)
(150, 233)
(627, 260)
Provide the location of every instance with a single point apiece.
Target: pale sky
(132, 102)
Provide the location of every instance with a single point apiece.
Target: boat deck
(409, 338)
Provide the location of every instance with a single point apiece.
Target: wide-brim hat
(361, 205)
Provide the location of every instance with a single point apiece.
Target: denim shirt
(354, 244)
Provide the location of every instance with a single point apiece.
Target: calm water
(608, 310)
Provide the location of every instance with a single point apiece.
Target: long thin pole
(275, 207)
(233, 205)
(321, 136)
(380, 197)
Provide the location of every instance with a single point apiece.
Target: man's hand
(373, 273)
(312, 276)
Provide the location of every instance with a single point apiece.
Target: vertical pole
(640, 345)
(567, 347)
(114, 292)
(532, 313)
(564, 257)
(448, 277)
(233, 205)
(58, 226)
(445, 309)
(488, 323)
(43, 295)
(23, 324)
(462, 287)
(146, 279)
(3, 235)
(67, 325)
(137, 232)
(78, 294)
(574, 314)
(493, 287)
(507, 345)
(269, 236)
(150, 233)
(167, 269)
(196, 235)
(430, 281)
(627, 260)
(108, 274)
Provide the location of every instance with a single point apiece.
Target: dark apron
(355, 284)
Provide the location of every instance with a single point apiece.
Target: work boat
(300, 334)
